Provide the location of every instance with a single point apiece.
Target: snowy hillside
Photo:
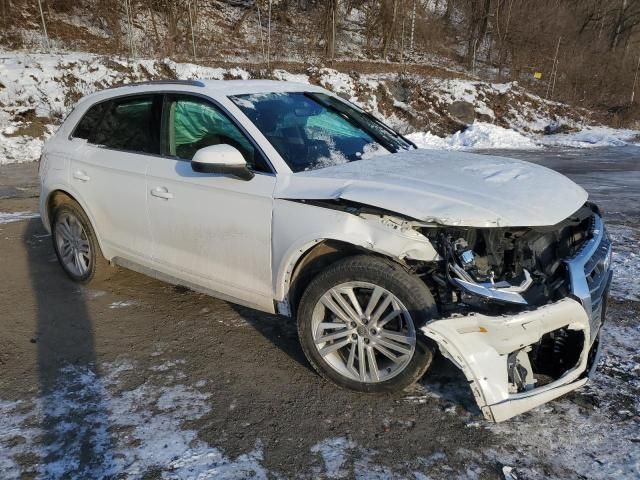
(38, 90)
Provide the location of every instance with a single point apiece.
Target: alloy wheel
(363, 332)
(73, 244)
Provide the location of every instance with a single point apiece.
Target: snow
(626, 262)
(479, 135)
(334, 452)
(10, 217)
(89, 411)
(339, 83)
(121, 304)
(591, 137)
(285, 76)
(457, 90)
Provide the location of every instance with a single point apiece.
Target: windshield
(314, 130)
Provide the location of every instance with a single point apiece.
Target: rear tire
(383, 328)
(76, 244)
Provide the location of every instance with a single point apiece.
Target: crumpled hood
(449, 188)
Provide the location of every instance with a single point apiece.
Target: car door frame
(110, 247)
(166, 272)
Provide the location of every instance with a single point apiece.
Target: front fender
(297, 227)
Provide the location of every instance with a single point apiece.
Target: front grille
(596, 271)
(590, 273)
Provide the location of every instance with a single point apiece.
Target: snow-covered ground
(132, 431)
(626, 262)
(87, 408)
(482, 135)
(38, 90)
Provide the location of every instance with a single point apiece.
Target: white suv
(286, 198)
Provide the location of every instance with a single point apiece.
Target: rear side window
(88, 126)
(131, 124)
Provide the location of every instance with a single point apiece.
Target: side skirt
(268, 305)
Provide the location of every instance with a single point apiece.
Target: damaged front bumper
(517, 362)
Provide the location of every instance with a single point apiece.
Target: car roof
(213, 88)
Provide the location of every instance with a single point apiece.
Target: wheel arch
(55, 197)
(311, 259)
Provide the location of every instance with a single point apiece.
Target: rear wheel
(76, 244)
(359, 323)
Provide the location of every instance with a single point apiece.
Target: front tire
(359, 322)
(76, 245)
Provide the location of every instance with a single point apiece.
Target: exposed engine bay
(493, 269)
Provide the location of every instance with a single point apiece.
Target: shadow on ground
(65, 339)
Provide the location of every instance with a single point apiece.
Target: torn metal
(391, 236)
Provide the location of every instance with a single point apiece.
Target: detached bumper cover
(480, 345)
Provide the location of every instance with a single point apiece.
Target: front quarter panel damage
(298, 226)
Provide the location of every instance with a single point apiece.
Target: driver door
(210, 230)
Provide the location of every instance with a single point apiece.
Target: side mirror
(223, 159)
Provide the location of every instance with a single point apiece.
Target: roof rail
(193, 83)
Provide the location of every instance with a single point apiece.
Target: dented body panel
(297, 227)
(447, 188)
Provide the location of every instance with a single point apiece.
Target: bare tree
(330, 15)
(44, 26)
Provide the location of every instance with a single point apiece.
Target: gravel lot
(134, 378)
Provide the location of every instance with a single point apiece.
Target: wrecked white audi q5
(286, 198)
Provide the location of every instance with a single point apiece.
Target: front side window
(315, 130)
(131, 124)
(194, 124)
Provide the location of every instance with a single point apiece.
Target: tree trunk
(388, 32)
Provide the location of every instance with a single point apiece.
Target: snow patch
(592, 137)
(334, 452)
(479, 135)
(285, 76)
(626, 262)
(87, 427)
(10, 217)
(121, 304)
(339, 83)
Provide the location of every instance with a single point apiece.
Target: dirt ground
(233, 396)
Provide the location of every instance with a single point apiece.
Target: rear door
(116, 139)
(210, 229)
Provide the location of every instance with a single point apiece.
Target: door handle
(161, 192)
(82, 176)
